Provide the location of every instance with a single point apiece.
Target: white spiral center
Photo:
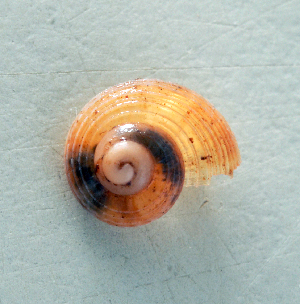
(116, 165)
(125, 167)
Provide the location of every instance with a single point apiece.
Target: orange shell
(196, 135)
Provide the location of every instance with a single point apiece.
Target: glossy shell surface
(188, 139)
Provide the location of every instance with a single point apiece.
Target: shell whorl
(183, 138)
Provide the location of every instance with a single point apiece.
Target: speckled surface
(236, 241)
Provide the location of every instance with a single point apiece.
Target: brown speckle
(191, 140)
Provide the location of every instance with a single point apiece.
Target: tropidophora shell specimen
(133, 147)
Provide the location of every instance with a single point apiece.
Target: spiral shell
(133, 146)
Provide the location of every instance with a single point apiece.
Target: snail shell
(133, 146)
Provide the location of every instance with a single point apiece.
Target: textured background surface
(243, 245)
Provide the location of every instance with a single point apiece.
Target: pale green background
(243, 245)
